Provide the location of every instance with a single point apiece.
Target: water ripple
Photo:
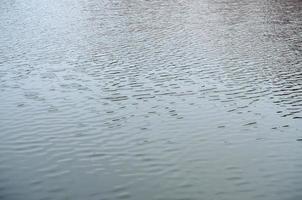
(150, 99)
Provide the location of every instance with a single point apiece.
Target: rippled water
(137, 99)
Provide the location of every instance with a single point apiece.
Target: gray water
(137, 99)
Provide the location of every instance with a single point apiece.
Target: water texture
(137, 99)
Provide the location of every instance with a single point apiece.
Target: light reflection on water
(150, 99)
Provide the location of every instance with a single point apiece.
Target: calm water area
(151, 99)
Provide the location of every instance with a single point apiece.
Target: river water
(137, 99)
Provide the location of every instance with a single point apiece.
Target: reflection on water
(150, 99)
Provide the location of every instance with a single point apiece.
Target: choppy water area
(138, 99)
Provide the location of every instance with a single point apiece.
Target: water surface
(137, 99)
